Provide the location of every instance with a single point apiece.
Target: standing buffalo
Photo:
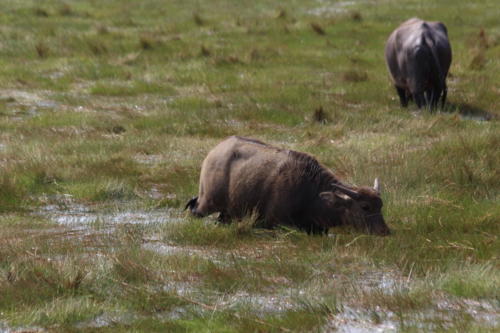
(418, 55)
(241, 176)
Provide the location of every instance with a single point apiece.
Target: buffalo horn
(345, 190)
(376, 185)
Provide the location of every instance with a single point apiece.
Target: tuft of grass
(227, 60)
(113, 190)
(65, 312)
(478, 60)
(398, 301)
(102, 29)
(41, 12)
(203, 232)
(355, 76)
(198, 19)
(12, 194)
(133, 266)
(97, 47)
(150, 301)
(282, 14)
(147, 42)
(477, 281)
(356, 16)
(36, 280)
(42, 49)
(205, 51)
(66, 10)
(317, 28)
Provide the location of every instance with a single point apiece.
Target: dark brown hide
(418, 55)
(241, 176)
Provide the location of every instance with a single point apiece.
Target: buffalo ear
(327, 196)
(343, 200)
(336, 200)
(347, 191)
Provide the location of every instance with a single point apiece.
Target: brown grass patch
(478, 60)
(97, 47)
(282, 14)
(41, 12)
(147, 42)
(42, 49)
(198, 19)
(356, 16)
(102, 29)
(205, 51)
(228, 60)
(318, 28)
(66, 10)
(355, 76)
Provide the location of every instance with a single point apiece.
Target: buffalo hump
(243, 176)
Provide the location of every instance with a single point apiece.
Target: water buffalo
(418, 55)
(241, 176)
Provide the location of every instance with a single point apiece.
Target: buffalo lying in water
(418, 55)
(241, 176)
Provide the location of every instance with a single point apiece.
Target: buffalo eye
(365, 206)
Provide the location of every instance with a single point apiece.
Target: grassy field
(107, 109)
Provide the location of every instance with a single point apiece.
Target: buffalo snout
(377, 226)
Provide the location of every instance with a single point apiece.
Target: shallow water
(23, 103)
(261, 304)
(77, 215)
(328, 8)
(167, 249)
(81, 219)
(4, 328)
(379, 320)
(361, 321)
(476, 117)
(107, 319)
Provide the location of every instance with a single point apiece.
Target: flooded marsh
(107, 110)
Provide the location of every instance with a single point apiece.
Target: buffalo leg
(435, 96)
(224, 218)
(316, 230)
(443, 99)
(403, 99)
(419, 99)
(429, 99)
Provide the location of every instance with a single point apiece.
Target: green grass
(112, 106)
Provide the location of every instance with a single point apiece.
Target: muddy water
(83, 217)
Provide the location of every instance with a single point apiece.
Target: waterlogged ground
(364, 288)
(107, 110)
